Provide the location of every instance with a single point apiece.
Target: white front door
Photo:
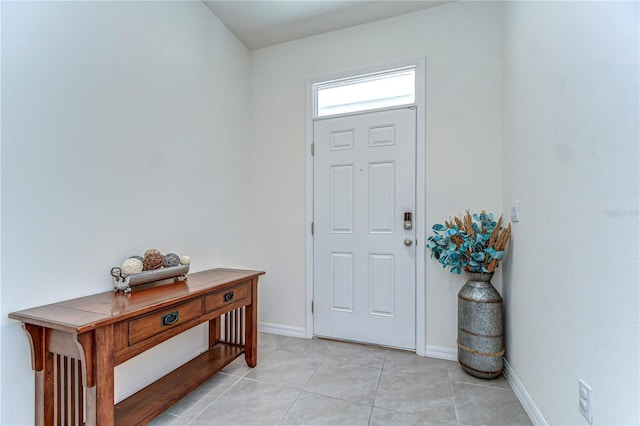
(364, 270)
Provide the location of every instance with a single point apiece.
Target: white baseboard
(283, 330)
(527, 403)
(441, 353)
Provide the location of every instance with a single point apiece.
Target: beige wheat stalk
(499, 243)
(496, 231)
(468, 224)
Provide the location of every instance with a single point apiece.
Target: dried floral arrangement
(473, 242)
(153, 267)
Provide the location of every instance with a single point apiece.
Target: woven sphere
(131, 266)
(152, 251)
(185, 260)
(152, 261)
(140, 258)
(171, 259)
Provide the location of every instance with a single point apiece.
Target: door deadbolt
(408, 221)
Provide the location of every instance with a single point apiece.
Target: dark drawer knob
(170, 318)
(228, 296)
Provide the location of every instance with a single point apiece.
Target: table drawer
(156, 323)
(228, 299)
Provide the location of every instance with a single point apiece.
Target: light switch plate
(515, 211)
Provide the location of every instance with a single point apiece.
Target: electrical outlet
(584, 401)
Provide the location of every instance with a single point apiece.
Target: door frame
(420, 222)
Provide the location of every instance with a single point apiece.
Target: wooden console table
(76, 344)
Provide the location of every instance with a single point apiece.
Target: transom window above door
(385, 89)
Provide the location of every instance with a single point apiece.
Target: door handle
(408, 242)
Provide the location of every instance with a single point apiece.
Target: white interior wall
(571, 159)
(462, 46)
(123, 128)
(564, 67)
(1, 311)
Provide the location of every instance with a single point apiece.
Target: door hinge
(313, 149)
(312, 306)
(312, 228)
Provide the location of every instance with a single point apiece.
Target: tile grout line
(281, 385)
(377, 388)
(324, 359)
(215, 399)
(300, 390)
(314, 373)
(337, 399)
(453, 396)
(279, 422)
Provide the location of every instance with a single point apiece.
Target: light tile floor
(321, 382)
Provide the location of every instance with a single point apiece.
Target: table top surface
(89, 312)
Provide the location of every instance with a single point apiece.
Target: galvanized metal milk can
(480, 329)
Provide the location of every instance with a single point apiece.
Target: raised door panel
(342, 281)
(382, 197)
(342, 202)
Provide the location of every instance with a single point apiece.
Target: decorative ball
(152, 250)
(131, 266)
(171, 259)
(185, 260)
(152, 261)
(140, 258)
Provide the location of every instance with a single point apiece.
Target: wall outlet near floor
(584, 401)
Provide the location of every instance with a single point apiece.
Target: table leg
(46, 391)
(251, 327)
(100, 396)
(214, 332)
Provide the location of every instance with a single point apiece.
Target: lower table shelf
(149, 402)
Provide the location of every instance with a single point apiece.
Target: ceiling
(261, 23)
